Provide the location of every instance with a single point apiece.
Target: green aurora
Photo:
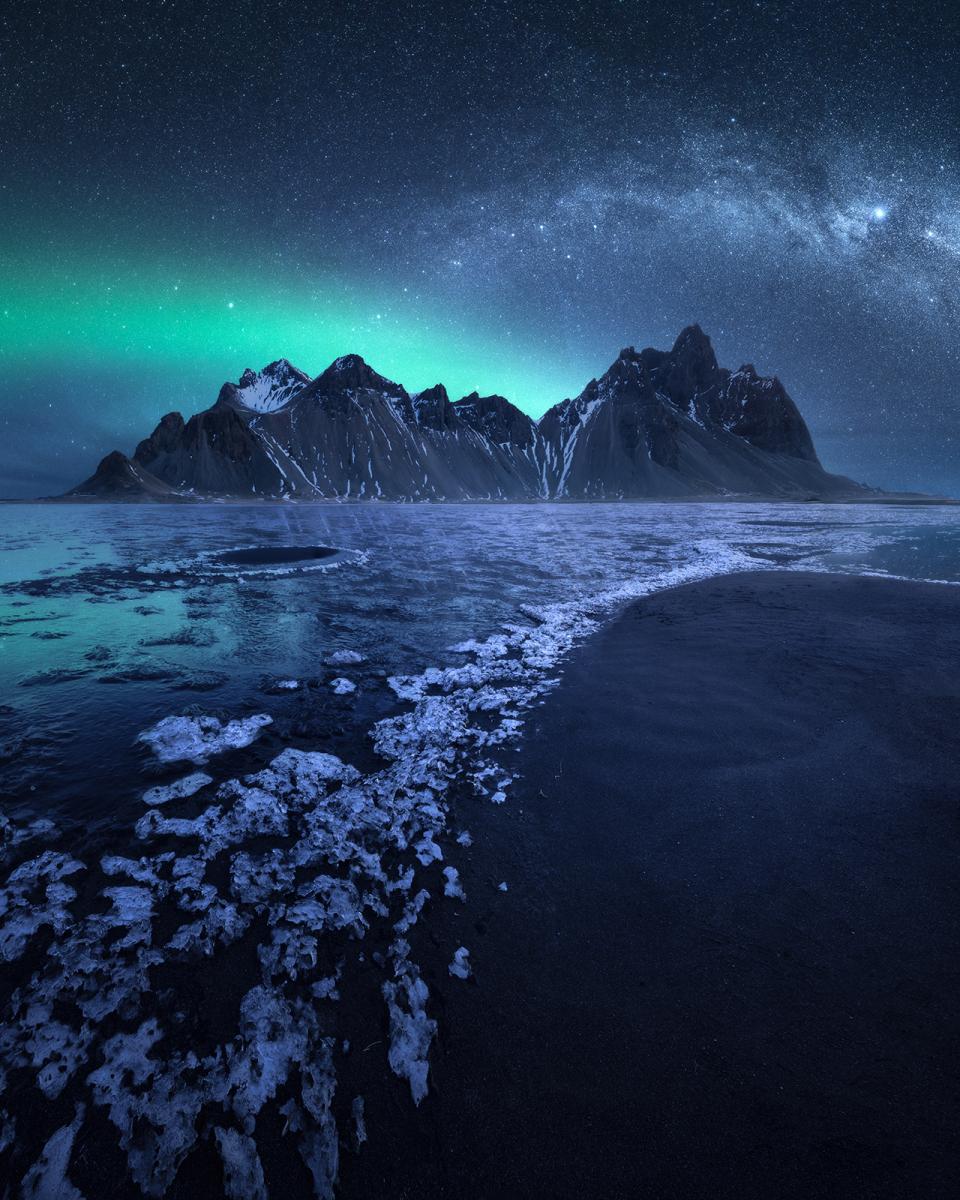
(173, 319)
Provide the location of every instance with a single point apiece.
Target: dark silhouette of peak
(351, 373)
(164, 438)
(657, 423)
(118, 478)
(497, 419)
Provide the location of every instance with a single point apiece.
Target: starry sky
(496, 195)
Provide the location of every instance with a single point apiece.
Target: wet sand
(728, 960)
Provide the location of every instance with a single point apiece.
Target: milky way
(497, 196)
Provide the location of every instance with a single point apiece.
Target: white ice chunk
(452, 887)
(242, 1169)
(411, 1030)
(180, 790)
(359, 1123)
(345, 658)
(47, 1178)
(460, 967)
(195, 739)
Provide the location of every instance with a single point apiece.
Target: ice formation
(461, 963)
(301, 859)
(181, 790)
(344, 658)
(197, 739)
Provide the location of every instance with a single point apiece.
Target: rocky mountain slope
(658, 423)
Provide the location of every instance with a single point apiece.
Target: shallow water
(113, 619)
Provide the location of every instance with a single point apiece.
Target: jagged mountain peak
(691, 340)
(352, 373)
(657, 423)
(431, 395)
(266, 390)
(119, 478)
(496, 418)
(165, 437)
(431, 409)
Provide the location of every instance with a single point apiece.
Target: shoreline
(905, 499)
(728, 949)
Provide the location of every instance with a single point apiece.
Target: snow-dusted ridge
(268, 390)
(656, 424)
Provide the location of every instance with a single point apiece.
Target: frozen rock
(319, 1146)
(55, 1050)
(140, 870)
(325, 989)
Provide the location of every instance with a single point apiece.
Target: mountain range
(658, 424)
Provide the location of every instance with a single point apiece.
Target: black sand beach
(728, 960)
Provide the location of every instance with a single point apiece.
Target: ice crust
(197, 739)
(344, 658)
(460, 967)
(181, 790)
(305, 855)
(47, 1178)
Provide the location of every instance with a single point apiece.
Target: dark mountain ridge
(657, 424)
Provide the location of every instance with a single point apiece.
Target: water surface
(227, 764)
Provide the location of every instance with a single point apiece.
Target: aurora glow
(492, 200)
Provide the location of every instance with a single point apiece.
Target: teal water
(181, 913)
(109, 619)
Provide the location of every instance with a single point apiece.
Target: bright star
(880, 214)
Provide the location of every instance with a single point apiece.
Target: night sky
(493, 195)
